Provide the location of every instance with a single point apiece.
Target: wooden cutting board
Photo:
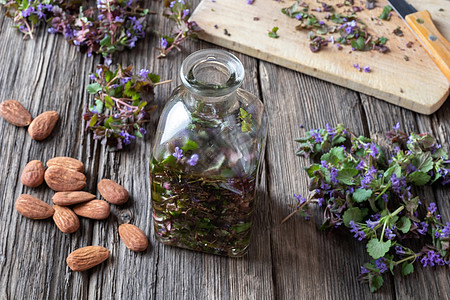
(416, 83)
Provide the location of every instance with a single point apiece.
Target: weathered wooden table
(293, 260)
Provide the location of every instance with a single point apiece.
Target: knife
(426, 32)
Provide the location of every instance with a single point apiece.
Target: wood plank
(306, 261)
(44, 74)
(392, 78)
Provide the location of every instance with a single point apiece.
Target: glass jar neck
(212, 76)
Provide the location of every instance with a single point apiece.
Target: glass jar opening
(212, 73)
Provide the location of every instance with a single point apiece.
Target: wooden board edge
(407, 103)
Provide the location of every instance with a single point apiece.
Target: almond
(134, 238)
(64, 180)
(94, 209)
(66, 162)
(85, 258)
(33, 208)
(66, 220)
(15, 113)
(33, 174)
(71, 198)
(42, 126)
(112, 191)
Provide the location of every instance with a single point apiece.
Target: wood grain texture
(392, 78)
(290, 261)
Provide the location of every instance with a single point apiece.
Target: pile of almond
(65, 176)
(39, 128)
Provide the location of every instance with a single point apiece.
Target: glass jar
(206, 155)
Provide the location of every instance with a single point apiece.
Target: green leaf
(227, 173)
(93, 120)
(154, 78)
(377, 248)
(109, 103)
(94, 88)
(99, 105)
(109, 121)
(338, 139)
(407, 268)
(423, 161)
(395, 169)
(106, 41)
(359, 44)
(169, 160)
(361, 195)
(353, 213)
(345, 176)
(241, 227)
(138, 134)
(109, 75)
(419, 178)
(273, 33)
(189, 145)
(243, 113)
(375, 282)
(404, 224)
(385, 14)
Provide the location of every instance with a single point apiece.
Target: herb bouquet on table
(373, 196)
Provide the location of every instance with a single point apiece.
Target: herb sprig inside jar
(206, 156)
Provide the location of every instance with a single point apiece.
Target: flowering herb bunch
(372, 196)
(178, 11)
(113, 25)
(351, 30)
(121, 104)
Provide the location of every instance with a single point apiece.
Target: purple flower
(372, 224)
(389, 234)
(324, 164)
(396, 126)
(126, 137)
(320, 201)
(193, 160)
(333, 175)
(144, 73)
(299, 16)
(118, 19)
(92, 76)
(359, 234)
(321, 22)
(331, 131)
(300, 199)
(324, 186)
(331, 39)
(399, 250)
(178, 154)
(124, 80)
(142, 130)
(366, 69)
(361, 165)
(163, 43)
(381, 265)
(166, 185)
(373, 150)
(397, 183)
(432, 207)
(185, 13)
(446, 230)
(108, 61)
(316, 135)
(432, 258)
(26, 12)
(364, 270)
(357, 67)
(423, 229)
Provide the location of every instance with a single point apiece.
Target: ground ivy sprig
(122, 104)
(110, 26)
(371, 195)
(179, 12)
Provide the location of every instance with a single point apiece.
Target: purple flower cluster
(432, 258)
(178, 154)
(356, 229)
(381, 264)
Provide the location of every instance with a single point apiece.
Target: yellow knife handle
(433, 41)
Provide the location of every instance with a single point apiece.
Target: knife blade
(422, 26)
